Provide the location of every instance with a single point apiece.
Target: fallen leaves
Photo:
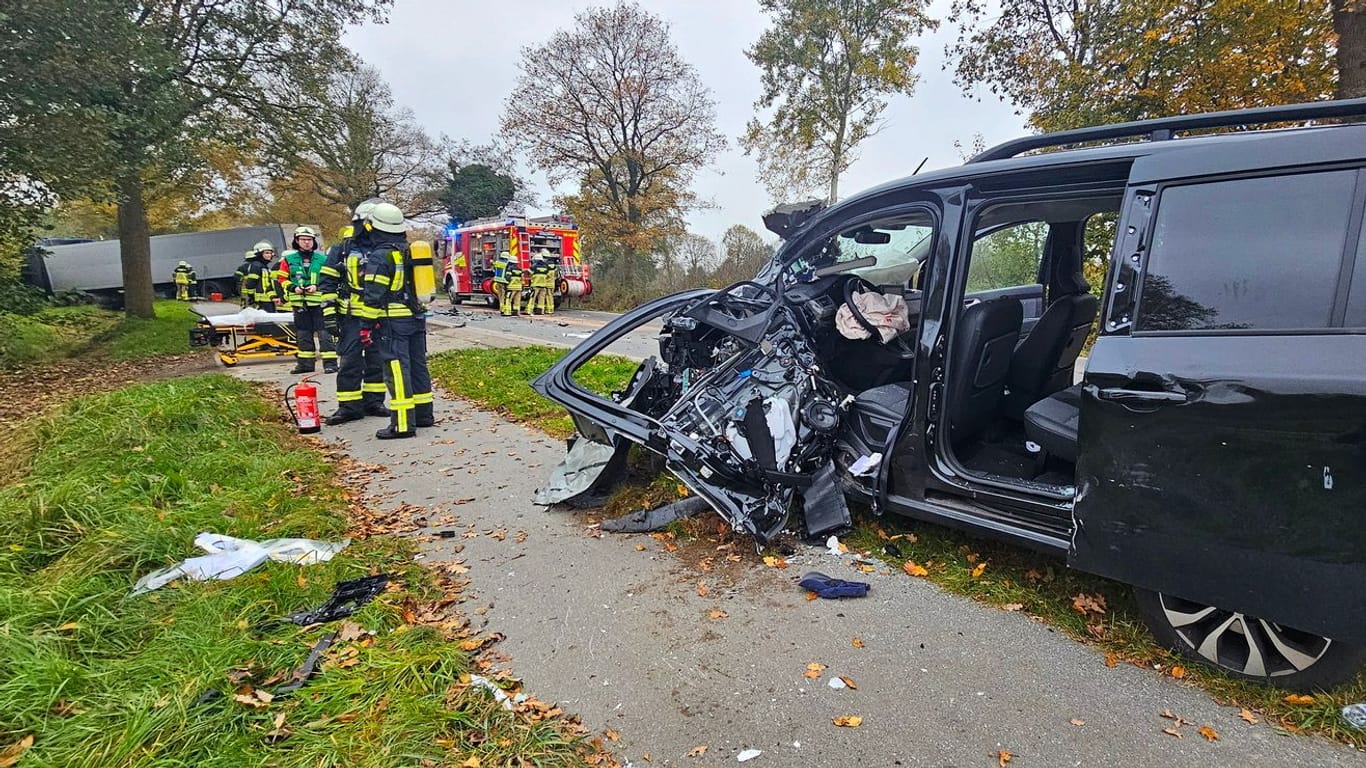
(1077, 721)
(702, 590)
(253, 697)
(279, 733)
(11, 754)
(1003, 756)
(913, 568)
(848, 682)
(858, 642)
(717, 614)
(978, 570)
(1089, 604)
(775, 562)
(1248, 717)
(1177, 671)
(1012, 607)
(612, 735)
(1112, 659)
(1298, 700)
(814, 670)
(1172, 732)
(698, 751)
(1209, 733)
(848, 721)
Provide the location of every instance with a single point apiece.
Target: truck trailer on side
(94, 267)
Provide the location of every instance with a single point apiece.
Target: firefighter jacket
(293, 274)
(341, 279)
(542, 274)
(184, 275)
(389, 278)
(258, 282)
(514, 274)
(500, 267)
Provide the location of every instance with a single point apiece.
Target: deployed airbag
(888, 314)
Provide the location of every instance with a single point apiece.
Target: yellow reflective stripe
(349, 396)
(330, 272)
(377, 279)
(398, 401)
(375, 386)
(398, 310)
(330, 355)
(306, 355)
(397, 257)
(423, 398)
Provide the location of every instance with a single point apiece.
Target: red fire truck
(467, 253)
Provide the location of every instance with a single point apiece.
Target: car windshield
(884, 252)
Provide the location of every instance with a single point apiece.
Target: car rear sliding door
(1223, 424)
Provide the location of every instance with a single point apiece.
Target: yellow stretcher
(244, 334)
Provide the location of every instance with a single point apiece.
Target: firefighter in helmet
(184, 277)
(542, 284)
(511, 305)
(390, 291)
(298, 274)
(500, 277)
(360, 376)
(241, 275)
(259, 288)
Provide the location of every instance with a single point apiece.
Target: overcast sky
(454, 62)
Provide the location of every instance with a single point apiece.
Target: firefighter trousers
(182, 291)
(360, 377)
(512, 298)
(404, 344)
(308, 323)
(543, 300)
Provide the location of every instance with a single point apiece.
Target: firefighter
(360, 377)
(241, 274)
(500, 277)
(298, 274)
(400, 323)
(259, 288)
(512, 292)
(184, 278)
(542, 284)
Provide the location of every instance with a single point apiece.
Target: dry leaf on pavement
(1077, 721)
(1247, 715)
(1209, 733)
(775, 562)
(1178, 671)
(702, 590)
(848, 721)
(849, 682)
(913, 568)
(1172, 732)
(1002, 757)
(1013, 607)
(813, 670)
(1112, 660)
(698, 751)
(811, 596)
(612, 735)
(717, 613)
(858, 642)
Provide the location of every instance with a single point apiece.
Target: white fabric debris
(780, 424)
(250, 316)
(229, 557)
(748, 754)
(887, 313)
(865, 465)
(833, 545)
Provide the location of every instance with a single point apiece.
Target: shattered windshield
(884, 252)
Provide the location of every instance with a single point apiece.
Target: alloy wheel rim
(1241, 643)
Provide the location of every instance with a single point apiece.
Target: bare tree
(628, 120)
(362, 144)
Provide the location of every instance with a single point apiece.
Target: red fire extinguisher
(305, 407)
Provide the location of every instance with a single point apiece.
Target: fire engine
(467, 253)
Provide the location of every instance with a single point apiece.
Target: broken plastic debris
(229, 557)
(837, 683)
(833, 545)
(499, 695)
(346, 598)
(830, 587)
(748, 754)
(1355, 715)
(865, 465)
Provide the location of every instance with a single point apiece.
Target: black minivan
(918, 347)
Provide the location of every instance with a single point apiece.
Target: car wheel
(491, 300)
(451, 293)
(1249, 647)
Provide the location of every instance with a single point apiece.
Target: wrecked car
(916, 347)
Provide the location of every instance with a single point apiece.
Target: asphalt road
(566, 328)
(616, 629)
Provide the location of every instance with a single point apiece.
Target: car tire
(1247, 647)
(491, 300)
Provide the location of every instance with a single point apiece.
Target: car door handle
(1140, 396)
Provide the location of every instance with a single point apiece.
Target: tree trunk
(1349, 21)
(135, 247)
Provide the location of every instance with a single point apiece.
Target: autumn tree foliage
(610, 104)
(828, 68)
(1071, 63)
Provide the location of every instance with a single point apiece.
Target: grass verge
(118, 484)
(1008, 577)
(168, 333)
(499, 380)
(50, 334)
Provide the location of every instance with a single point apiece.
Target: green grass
(50, 334)
(116, 485)
(167, 334)
(1040, 586)
(499, 380)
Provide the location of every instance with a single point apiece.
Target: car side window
(1356, 297)
(1242, 254)
(1008, 257)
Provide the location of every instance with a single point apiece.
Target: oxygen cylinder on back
(424, 275)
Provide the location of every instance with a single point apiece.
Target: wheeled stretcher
(245, 334)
